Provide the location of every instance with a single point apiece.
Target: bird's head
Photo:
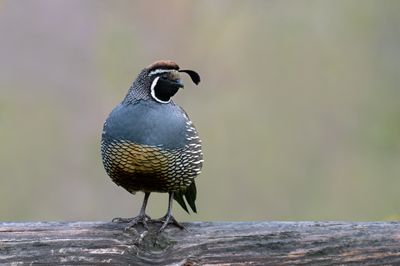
(160, 81)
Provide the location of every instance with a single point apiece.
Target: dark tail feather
(178, 196)
(190, 195)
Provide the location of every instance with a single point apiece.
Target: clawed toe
(143, 219)
(121, 220)
(140, 219)
(166, 220)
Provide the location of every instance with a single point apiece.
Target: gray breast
(147, 123)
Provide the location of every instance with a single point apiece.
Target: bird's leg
(141, 218)
(168, 218)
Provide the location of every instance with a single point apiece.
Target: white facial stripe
(153, 93)
(159, 71)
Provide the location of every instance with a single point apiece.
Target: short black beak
(179, 83)
(193, 75)
(175, 83)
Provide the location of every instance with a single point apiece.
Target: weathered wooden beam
(266, 243)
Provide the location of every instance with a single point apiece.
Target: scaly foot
(166, 220)
(140, 219)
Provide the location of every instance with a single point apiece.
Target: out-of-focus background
(298, 109)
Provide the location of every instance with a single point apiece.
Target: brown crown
(163, 64)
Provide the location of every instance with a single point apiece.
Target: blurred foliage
(298, 107)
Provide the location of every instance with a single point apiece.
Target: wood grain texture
(230, 243)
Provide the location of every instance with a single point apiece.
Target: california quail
(149, 143)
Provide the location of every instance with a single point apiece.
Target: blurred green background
(298, 107)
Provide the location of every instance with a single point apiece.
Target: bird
(149, 143)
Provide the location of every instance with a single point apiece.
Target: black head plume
(160, 81)
(193, 75)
